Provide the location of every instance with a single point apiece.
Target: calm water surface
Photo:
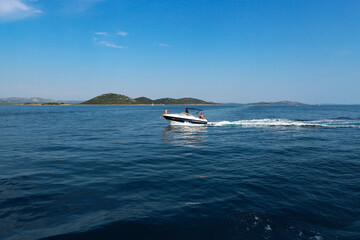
(120, 172)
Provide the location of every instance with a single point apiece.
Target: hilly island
(119, 99)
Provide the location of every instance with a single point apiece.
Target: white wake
(268, 122)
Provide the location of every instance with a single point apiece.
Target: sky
(217, 50)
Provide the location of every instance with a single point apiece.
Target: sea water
(120, 172)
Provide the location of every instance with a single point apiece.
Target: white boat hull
(179, 119)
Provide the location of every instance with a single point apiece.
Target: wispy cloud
(108, 44)
(343, 52)
(11, 10)
(101, 36)
(76, 6)
(164, 45)
(101, 33)
(121, 33)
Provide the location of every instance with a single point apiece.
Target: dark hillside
(110, 98)
(118, 99)
(143, 100)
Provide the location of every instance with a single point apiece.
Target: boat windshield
(192, 109)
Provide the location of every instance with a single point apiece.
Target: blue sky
(223, 51)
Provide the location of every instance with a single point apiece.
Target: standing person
(164, 113)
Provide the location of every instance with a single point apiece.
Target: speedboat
(185, 117)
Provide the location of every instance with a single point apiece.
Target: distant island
(44, 104)
(25, 100)
(277, 103)
(119, 99)
(36, 101)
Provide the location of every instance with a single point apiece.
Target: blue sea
(120, 172)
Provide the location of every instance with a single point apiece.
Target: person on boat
(164, 113)
(201, 116)
(186, 110)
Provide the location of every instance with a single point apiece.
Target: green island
(119, 99)
(54, 103)
(46, 103)
(281, 103)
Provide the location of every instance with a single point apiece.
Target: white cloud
(343, 52)
(11, 10)
(121, 33)
(99, 39)
(76, 6)
(164, 45)
(101, 33)
(107, 44)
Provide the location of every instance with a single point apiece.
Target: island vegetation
(119, 99)
(54, 103)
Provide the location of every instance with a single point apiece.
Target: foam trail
(267, 122)
(186, 124)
